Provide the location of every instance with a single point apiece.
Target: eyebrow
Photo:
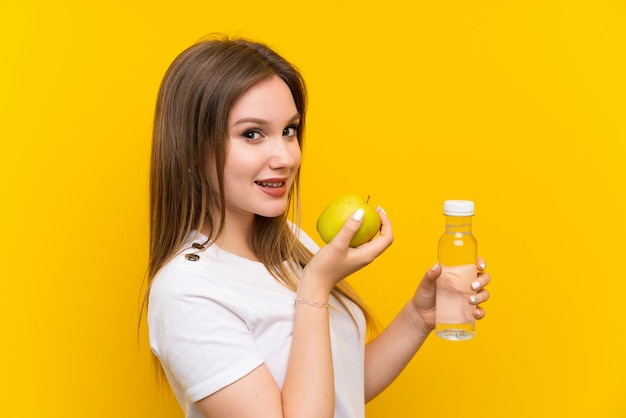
(259, 121)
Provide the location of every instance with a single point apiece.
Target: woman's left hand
(424, 300)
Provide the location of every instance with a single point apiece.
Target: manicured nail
(380, 209)
(435, 267)
(479, 313)
(475, 285)
(358, 215)
(482, 266)
(474, 299)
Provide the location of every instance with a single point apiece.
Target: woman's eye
(252, 135)
(290, 131)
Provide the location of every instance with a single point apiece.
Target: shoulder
(185, 275)
(191, 296)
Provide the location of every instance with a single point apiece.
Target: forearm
(389, 353)
(309, 383)
(308, 390)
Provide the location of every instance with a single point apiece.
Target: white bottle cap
(458, 208)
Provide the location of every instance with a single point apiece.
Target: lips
(274, 187)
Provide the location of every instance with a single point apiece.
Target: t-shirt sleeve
(198, 333)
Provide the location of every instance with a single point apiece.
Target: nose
(285, 153)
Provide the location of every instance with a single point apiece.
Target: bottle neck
(458, 223)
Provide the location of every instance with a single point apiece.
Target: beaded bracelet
(311, 303)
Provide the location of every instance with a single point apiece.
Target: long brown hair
(190, 145)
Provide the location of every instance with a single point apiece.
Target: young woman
(247, 315)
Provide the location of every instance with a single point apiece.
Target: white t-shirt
(214, 320)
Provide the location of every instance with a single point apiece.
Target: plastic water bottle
(458, 252)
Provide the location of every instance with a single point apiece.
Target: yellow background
(518, 105)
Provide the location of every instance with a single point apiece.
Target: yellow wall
(518, 105)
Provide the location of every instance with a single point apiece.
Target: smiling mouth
(271, 184)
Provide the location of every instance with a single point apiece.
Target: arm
(388, 354)
(308, 389)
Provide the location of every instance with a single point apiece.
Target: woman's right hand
(337, 260)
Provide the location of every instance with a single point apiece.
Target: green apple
(336, 214)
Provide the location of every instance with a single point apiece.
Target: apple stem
(368, 199)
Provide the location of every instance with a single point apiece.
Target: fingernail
(479, 313)
(435, 267)
(358, 215)
(482, 266)
(474, 299)
(475, 285)
(380, 209)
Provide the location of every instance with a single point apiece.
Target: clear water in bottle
(458, 255)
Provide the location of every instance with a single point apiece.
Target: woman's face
(263, 151)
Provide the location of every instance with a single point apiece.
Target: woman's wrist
(417, 319)
(310, 288)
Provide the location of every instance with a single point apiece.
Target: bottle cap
(458, 208)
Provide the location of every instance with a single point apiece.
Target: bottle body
(458, 252)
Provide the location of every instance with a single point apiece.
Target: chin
(273, 212)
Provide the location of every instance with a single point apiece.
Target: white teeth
(265, 184)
